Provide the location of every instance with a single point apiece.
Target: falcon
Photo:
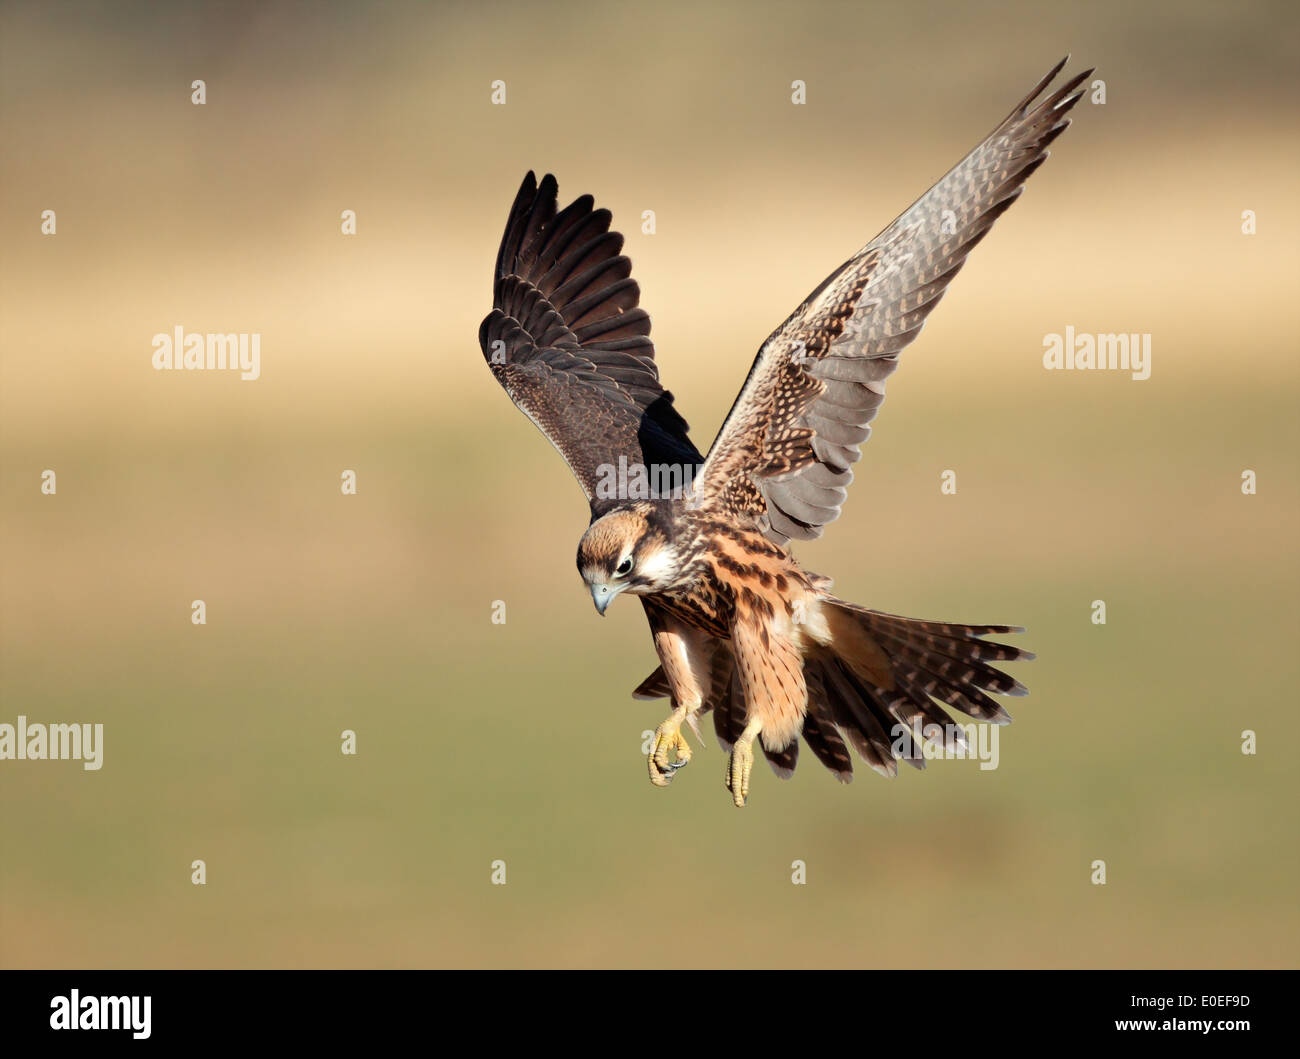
(741, 629)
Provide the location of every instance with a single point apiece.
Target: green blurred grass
(480, 741)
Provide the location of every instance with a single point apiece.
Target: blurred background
(519, 742)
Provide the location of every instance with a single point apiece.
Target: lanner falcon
(741, 629)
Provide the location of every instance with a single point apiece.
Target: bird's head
(627, 550)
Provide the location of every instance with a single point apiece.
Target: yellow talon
(668, 737)
(742, 761)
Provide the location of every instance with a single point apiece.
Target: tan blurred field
(519, 742)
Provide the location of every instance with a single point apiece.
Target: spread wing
(783, 455)
(569, 343)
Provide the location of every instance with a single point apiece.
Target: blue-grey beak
(602, 595)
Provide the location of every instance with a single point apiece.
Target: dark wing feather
(570, 344)
(783, 455)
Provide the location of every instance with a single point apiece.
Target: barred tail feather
(881, 670)
(877, 672)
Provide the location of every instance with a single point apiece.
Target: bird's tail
(881, 671)
(877, 672)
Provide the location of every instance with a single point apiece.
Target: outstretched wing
(783, 455)
(569, 343)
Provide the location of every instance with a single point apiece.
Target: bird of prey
(740, 627)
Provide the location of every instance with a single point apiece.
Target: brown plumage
(740, 628)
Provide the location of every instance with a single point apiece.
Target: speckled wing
(783, 456)
(571, 345)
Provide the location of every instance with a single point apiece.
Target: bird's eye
(625, 567)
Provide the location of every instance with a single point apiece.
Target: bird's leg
(742, 760)
(686, 655)
(668, 736)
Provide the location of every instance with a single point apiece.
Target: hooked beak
(603, 595)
